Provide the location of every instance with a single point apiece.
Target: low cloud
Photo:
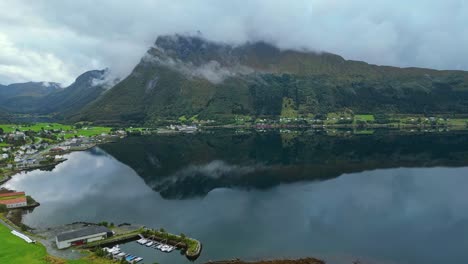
(52, 40)
(211, 71)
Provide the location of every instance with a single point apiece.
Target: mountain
(189, 76)
(37, 98)
(19, 96)
(86, 88)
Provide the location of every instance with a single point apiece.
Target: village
(24, 148)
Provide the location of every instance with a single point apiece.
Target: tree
(1, 131)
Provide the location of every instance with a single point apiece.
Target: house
(13, 199)
(56, 150)
(17, 136)
(4, 156)
(82, 236)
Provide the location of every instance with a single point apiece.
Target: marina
(116, 253)
(156, 245)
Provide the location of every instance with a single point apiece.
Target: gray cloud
(53, 40)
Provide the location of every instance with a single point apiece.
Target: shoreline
(9, 175)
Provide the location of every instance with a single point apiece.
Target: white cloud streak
(56, 40)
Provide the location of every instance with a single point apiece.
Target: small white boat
(114, 249)
(149, 244)
(121, 254)
(143, 241)
(160, 246)
(165, 248)
(137, 260)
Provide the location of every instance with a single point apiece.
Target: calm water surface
(379, 198)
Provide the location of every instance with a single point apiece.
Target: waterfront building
(82, 236)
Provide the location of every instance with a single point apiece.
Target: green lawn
(288, 109)
(458, 122)
(89, 131)
(15, 250)
(364, 117)
(7, 128)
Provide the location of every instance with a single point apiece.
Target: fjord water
(382, 198)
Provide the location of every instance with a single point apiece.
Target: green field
(15, 250)
(69, 130)
(458, 122)
(367, 118)
(89, 131)
(7, 128)
(288, 108)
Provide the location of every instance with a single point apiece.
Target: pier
(190, 247)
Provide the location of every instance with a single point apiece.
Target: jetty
(166, 242)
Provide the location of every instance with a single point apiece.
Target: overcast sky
(56, 40)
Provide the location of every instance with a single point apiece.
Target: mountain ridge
(59, 102)
(190, 76)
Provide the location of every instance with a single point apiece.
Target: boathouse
(82, 236)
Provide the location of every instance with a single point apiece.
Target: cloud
(18, 64)
(57, 40)
(212, 71)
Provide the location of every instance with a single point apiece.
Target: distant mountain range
(192, 77)
(49, 98)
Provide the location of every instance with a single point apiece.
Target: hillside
(86, 88)
(189, 76)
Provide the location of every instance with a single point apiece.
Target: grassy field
(7, 128)
(288, 110)
(15, 250)
(458, 122)
(365, 118)
(86, 131)
(89, 131)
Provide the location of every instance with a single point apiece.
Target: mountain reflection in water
(190, 165)
(396, 215)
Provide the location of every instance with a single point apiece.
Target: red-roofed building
(15, 202)
(7, 194)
